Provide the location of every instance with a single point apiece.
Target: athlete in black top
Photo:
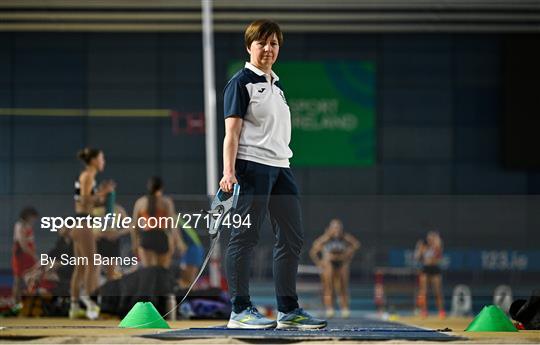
(332, 253)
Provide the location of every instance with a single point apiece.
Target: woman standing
(87, 198)
(256, 155)
(155, 245)
(430, 254)
(332, 253)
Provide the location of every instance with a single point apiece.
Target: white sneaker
(250, 318)
(92, 309)
(330, 313)
(299, 319)
(345, 313)
(92, 312)
(76, 313)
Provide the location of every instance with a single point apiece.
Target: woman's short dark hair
(87, 154)
(260, 30)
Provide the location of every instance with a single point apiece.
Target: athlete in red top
(24, 249)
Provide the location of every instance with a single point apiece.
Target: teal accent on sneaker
(299, 319)
(250, 318)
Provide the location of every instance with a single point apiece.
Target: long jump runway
(358, 328)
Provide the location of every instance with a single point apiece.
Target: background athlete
(332, 252)
(155, 246)
(87, 198)
(430, 253)
(24, 250)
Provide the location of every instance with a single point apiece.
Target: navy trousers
(266, 189)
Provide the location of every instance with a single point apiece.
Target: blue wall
(438, 109)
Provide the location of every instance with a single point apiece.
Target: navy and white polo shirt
(259, 100)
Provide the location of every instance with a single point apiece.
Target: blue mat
(338, 329)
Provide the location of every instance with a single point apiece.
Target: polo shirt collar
(257, 71)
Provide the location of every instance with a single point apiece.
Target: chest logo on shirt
(261, 90)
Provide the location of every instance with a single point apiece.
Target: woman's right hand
(227, 182)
